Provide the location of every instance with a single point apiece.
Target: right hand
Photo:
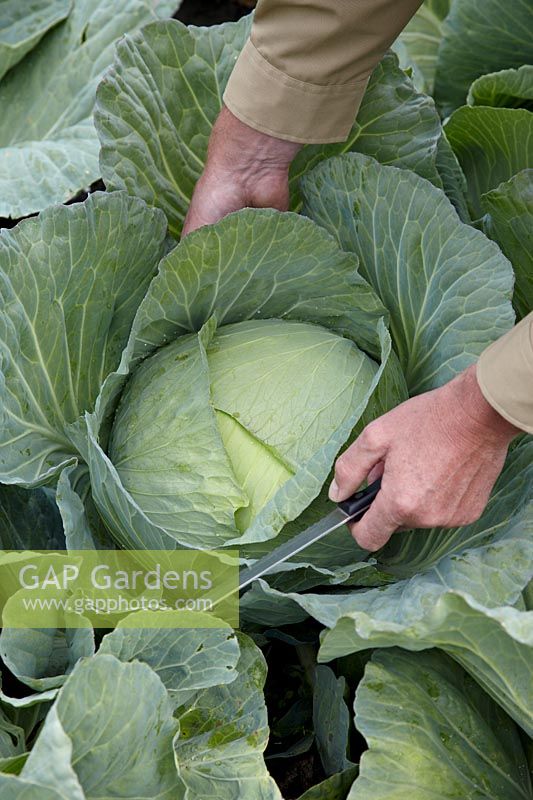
(245, 168)
(439, 453)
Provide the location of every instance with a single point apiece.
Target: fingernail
(334, 491)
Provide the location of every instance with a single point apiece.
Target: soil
(212, 12)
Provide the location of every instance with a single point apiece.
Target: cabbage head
(280, 390)
(196, 398)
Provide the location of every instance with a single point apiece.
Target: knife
(350, 510)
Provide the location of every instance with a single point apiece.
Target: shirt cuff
(505, 375)
(272, 102)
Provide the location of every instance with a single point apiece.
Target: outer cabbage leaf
(157, 104)
(219, 749)
(418, 44)
(12, 740)
(453, 178)
(49, 763)
(396, 125)
(83, 526)
(480, 36)
(334, 788)
(509, 221)
(187, 660)
(331, 720)
(446, 286)
(15, 788)
(432, 732)
(492, 144)
(41, 658)
(70, 282)
(510, 88)
(121, 747)
(23, 24)
(215, 681)
(461, 604)
(48, 145)
(251, 264)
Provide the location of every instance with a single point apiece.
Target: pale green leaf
(23, 23)
(396, 125)
(191, 498)
(480, 36)
(437, 609)
(418, 44)
(510, 88)
(433, 733)
(48, 145)
(334, 788)
(186, 660)
(453, 178)
(509, 221)
(331, 720)
(70, 282)
(12, 740)
(49, 763)
(83, 526)
(492, 145)
(114, 722)
(219, 748)
(446, 286)
(43, 657)
(13, 787)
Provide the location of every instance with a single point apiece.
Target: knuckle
(372, 435)
(406, 508)
(343, 470)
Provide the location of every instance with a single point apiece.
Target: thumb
(374, 530)
(354, 465)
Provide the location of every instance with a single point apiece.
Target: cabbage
(280, 389)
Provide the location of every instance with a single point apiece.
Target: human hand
(244, 168)
(439, 453)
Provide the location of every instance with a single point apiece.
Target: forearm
(505, 375)
(302, 75)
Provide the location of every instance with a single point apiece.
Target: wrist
(477, 417)
(237, 148)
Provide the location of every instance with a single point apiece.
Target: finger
(195, 218)
(353, 466)
(374, 530)
(376, 472)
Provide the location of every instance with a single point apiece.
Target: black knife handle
(356, 505)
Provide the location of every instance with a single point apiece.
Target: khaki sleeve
(303, 72)
(505, 375)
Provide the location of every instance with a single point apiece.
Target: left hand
(439, 453)
(244, 168)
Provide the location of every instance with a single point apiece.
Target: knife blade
(350, 510)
